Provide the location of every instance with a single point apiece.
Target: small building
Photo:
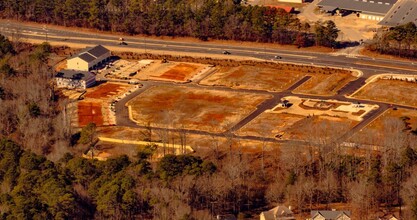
(277, 213)
(73, 79)
(330, 215)
(366, 9)
(403, 12)
(89, 58)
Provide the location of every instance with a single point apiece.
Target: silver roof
(404, 11)
(377, 7)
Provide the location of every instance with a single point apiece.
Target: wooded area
(203, 19)
(399, 41)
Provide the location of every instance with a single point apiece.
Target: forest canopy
(203, 19)
(400, 41)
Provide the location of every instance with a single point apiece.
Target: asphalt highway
(368, 66)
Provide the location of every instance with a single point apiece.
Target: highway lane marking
(386, 66)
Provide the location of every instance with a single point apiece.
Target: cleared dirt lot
(392, 124)
(253, 77)
(323, 81)
(325, 84)
(96, 107)
(392, 91)
(106, 90)
(192, 108)
(171, 71)
(89, 112)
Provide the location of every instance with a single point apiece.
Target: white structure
(292, 1)
(89, 58)
(72, 79)
(277, 213)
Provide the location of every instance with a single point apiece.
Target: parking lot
(124, 69)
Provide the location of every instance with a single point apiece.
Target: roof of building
(74, 74)
(97, 51)
(377, 7)
(329, 214)
(280, 211)
(86, 57)
(404, 11)
(90, 53)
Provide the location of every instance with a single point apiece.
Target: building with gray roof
(88, 58)
(74, 79)
(403, 12)
(367, 9)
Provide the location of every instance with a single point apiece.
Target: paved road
(368, 66)
(28, 31)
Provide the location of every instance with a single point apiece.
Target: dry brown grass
(180, 72)
(389, 123)
(325, 84)
(198, 109)
(269, 124)
(253, 77)
(391, 91)
(317, 128)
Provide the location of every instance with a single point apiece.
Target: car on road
(121, 39)
(277, 57)
(226, 52)
(122, 43)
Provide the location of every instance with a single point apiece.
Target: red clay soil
(105, 90)
(89, 112)
(179, 72)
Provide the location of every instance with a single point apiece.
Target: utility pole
(46, 33)
(144, 38)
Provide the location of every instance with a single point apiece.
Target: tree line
(399, 41)
(203, 19)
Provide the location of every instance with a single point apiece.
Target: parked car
(278, 57)
(226, 52)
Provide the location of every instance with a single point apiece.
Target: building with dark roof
(74, 79)
(89, 58)
(403, 12)
(366, 9)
